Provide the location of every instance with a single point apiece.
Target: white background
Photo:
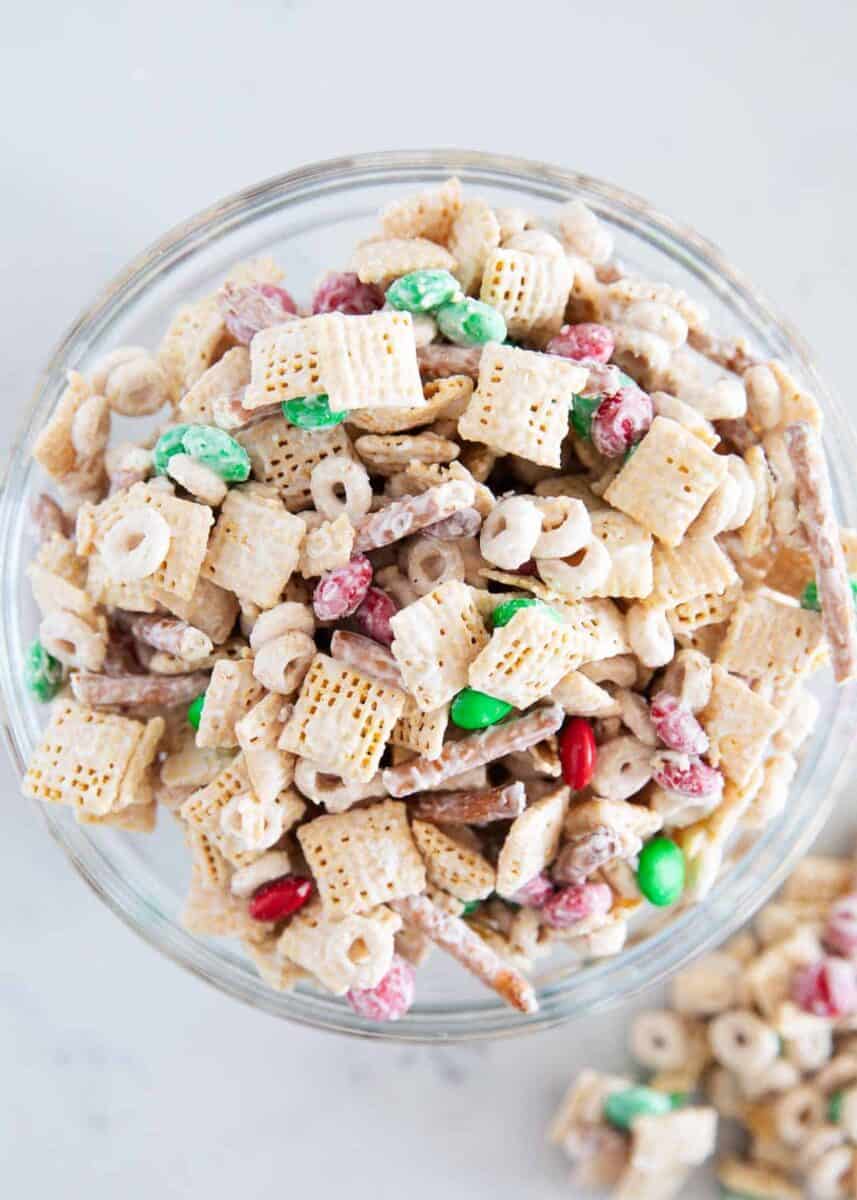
(119, 1075)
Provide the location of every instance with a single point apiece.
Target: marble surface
(119, 1071)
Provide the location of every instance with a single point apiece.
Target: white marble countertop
(121, 1074)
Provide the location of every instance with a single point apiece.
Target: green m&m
(809, 596)
(621, 1108)
(470, 323)
(311, 412)
(194, 711)
(42, 672)
(474, 710)
(504, 612)
(423, 291)
(217, 450)
(661, 871)
(582, 411)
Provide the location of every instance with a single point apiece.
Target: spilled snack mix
(470, 604)
(762, 1030)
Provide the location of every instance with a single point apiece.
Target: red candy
(620, 421)
(527, 568)
(343, 292)
(827, 988)
(840, 933)
(577, 753)
(391, 998)
(465, 523)
(535, 893)
(685, 774)
(339, 593)
(280, 898)
(586, 341)
(373, 616)
(676, 725)
(572, 904)
(257, 306)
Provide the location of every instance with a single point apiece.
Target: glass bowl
(309, 219)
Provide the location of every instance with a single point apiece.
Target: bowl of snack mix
(426, 596)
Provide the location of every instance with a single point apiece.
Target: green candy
(678, 1099)
(809, 595)
(470, 323)
(168, 444)
(474, 710)
(217, 450)
(42, 672)
(620, 1108)
(470, 908)
(423, 291)
(311, 412)
(194, 711)
(504, 612)
(582, 411)
(661, 871)
(834, 1108)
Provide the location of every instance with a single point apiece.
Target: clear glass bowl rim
(737, 894)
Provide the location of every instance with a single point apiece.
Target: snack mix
(471, 605)
(763, 1030)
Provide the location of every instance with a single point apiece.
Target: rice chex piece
(389, 258)
(452, 866)
(203, 807)
(421, 731)
(739, 724)
(285, 362)
(767, 637)
(532, 841)
(371, 361)
(342, 719)
(255, 546)
(341, 952)
(132, 595)
(362, 858)
(435, 640)
(269, 768)
(698, 567)
(426, 215)
(85, 756)
(285, 456)
(206, 858)
(630, 548)
(232, 691)
(525, 658)
(530, 290)
(211, 609)
(521, 403)
(192, 343)
(707, 609)
(667, 480)
(599, 626)
(474, 236)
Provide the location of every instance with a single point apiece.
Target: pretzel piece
(366, 656)
(128, 691)
(478, 807)
(404, 517)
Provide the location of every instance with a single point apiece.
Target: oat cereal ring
(251, 824)
(623, 767)
(341, 485)
(650, 635)
(797, 1113)
(332, 791)
(90, 427)
(535, 241)
(136, 545)
(830, 1176)
(428, 563)
(743, 1042)
(659, 1040)
(272, 865)
(282, 662)
(68, 638)
(566, 527)
(133, 382)
(283, 618)
(689, 677)
(583, 233)
(198, 479)
(581, 574)
(510, 532)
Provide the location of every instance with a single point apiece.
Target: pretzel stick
(731, 353)
(121, 657)
(404, 517)
(229, 411)
(815, 501)
(170, 635)
(367, 656)
(454, 936)
(471, 808)
(421, 773)
(439, 362)
(100, 691)
(49, 518)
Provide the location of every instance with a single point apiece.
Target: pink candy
(840, 933)
(339, 593)
(827, 988)
(676, 725)
(586, 341)
(572, 904)
(257, 306)
(620, 421)
(685, 774)
(535, 893)
(465, 523)
(391, 998)
(343, 292)
(373, 616)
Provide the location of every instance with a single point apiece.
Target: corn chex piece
(231, 693)
(427, 215)
(435, 640)
(211, 609)
(532, 841)
(521, 403)
(58, 580)
(285, 456)
(133, 595)
(206, 858)
(739, 724)
(767, 637)
(708, 609)
(599, 627)
(443, 397)
(456, 868)
(698, 567)
(342, 719)
(474, 236)
(354, 951)
(530, 290)
(228, 375)
(581, 697)
(362, 858)
(255, 546)
(685, 1137)
(269, 768)
(388, 258)
(95, 761)
(189, 525)
(630, 548)
(421, 731)
(525, 658)
(195, 337)
(203, 807)
(667, 480)
(136, 818)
